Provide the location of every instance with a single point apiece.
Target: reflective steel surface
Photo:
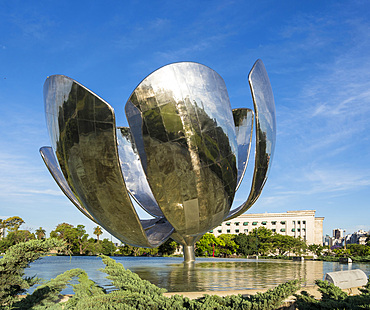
(182, 158)
(133, 172)
(181, 117)
(51, 163)
(84, 136)
(243, 119)
(264, 107)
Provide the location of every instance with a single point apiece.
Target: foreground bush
(332, 297)
(134, 293)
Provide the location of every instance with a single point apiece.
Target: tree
(206, 245)
(98, 231)
(75, 237)
(40, 233)
(246, 243)
(13, 223)
(227, 245)
(169, 247)
(82, 238)
(283, 244)
(107, 247)
(316, 249)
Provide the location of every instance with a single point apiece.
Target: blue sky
(316, 54)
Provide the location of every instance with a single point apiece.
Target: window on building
(264, 223)
(236, 231)
(303, 222)
(299, 222)
(211, 231)
(298, 229)
(254, 223)
(228, 231)
(293, 229)
(236, 223)
(273, 230)
(303, 229)
(293, 222)
(273, 222)
(282, 222)
(245, 230)
(283, 229)
(228, 223)
(220, 230)
(245, 224)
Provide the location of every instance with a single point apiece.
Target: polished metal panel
(243, 119)
(133, 172)
(181, 116)
(182, 159)
(264, 107)
(51, 163)
(86, 149)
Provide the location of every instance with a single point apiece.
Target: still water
(206, 274)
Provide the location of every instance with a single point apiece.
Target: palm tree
(98, 232)
(40, 233)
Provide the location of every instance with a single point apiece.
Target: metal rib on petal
(243, 120)
(86, 149)
(51, 163)
(264, 107)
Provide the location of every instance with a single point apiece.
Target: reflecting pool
(206, 274)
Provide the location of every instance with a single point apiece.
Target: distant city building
(340, 239)
(302, 224)
(338, 233)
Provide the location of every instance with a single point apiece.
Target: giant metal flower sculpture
(182, 158)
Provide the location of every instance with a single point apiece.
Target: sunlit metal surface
(182, 158)
(86, 149)
(243, 119)
(133, 173)
(264, 107)
(183, 119)
(51, 163)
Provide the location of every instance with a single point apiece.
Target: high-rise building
(338, 233)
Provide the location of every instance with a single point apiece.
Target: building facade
(302, 224)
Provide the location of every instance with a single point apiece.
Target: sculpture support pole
(189, 255)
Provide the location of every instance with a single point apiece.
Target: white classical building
(302, 224)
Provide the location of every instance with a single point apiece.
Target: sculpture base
(189, 255)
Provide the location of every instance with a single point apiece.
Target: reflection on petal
(264, 107)
(133, 173)
(243, 119)
(181, 117)
(86, 148)
(50, 161)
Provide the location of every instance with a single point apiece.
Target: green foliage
(97, 231)
(169, 247)
(18, 257)
(40, 233)
(131, 291)
(227, 245)
(47, 294)
(78, 241)
(126, 280)
(13, 223)
(316, 249)
(334, 298)
(358, 249)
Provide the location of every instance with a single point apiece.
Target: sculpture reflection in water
(182, 158)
